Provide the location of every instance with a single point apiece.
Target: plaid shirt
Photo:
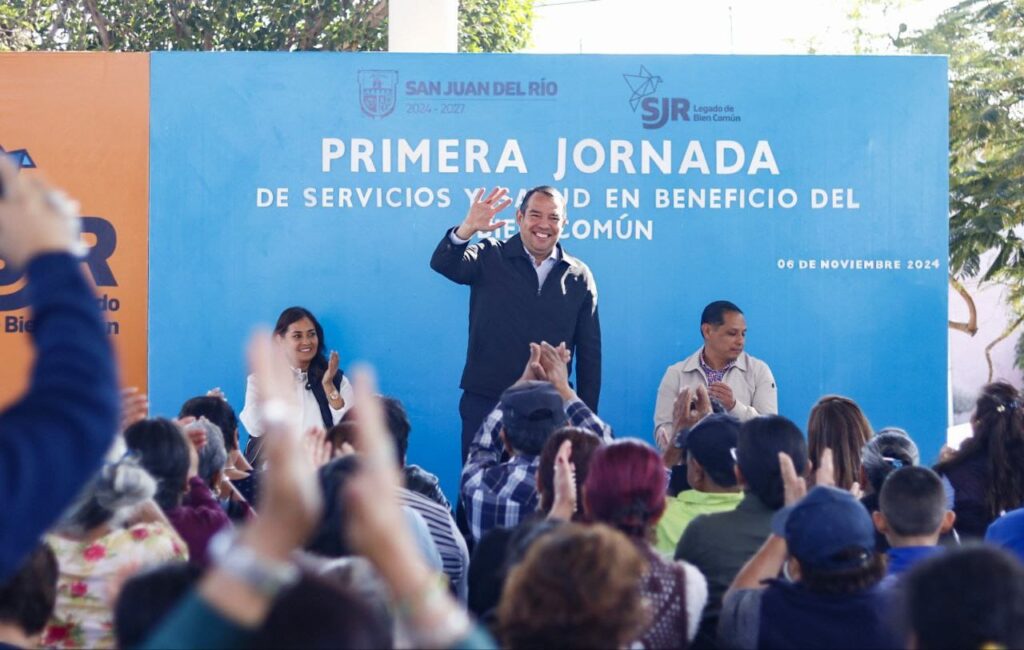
(712, 374)
(498, 494)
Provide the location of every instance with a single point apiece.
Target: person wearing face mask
(324, 393)
(524, 289)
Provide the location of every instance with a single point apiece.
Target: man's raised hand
(533, 370)
(553, 361)
(690, 407)
(794, 486)
(482, 211)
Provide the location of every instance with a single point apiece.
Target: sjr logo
(660, 110)
(95, 261)
(657, 111)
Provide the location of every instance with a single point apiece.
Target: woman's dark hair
(584, 443)
(27, 597)
(971, 597)
(318, 365)
(847, 581)
(218, 411)
(329, 538)
(316, 614)
(148, 597)
(837, 423)
(757, 455)
(998, 424)
(163, 451)
(888, 451)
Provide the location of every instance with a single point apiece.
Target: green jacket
(683, 508)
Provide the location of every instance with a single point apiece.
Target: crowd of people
(733, 530)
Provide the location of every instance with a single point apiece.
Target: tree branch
(182, 29)
(100, 22)
(378, 13)
(1006, 332)
(971, 326)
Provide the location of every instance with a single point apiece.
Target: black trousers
(474, 409)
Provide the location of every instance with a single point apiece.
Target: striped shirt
(449, 541)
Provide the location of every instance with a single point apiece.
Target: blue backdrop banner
(811, 191)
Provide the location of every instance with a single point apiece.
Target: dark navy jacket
(508, 311)
(53, 439)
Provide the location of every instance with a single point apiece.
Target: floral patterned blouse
(84, 616)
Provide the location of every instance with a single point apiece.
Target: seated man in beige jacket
(741, 384)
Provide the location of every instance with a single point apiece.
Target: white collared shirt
(307, 415)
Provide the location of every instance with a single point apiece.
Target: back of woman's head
(110, 497)
(216, 410)
(577, 587)
(328, 540)
(998, 424)
(163, 451)
(889, 450)
(213, 455)
(837, 423)
(584, 444)
(28, 596)
(316, 614)
(625, 487)
(148, 597)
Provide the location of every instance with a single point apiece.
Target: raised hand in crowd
(378, 530)
(32, 218)
(319, 448)
(56, 434)
(690, 407)
(290, 508)
(553, 360)
(534, 370)
(134, 406)
(482, 211)
(794, 486)
(564, 504)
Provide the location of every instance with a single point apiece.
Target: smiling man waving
(523, 290)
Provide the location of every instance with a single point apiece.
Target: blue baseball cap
(829, 530)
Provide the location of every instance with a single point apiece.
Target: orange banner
(81, 120)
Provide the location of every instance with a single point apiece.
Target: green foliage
(984, 40)
(494, 25)
(284, 25)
